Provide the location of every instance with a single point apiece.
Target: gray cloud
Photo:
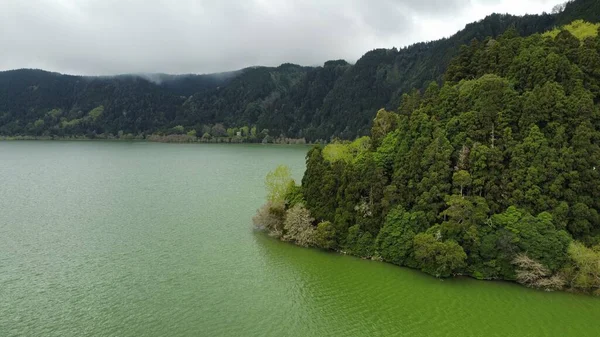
(98, 37)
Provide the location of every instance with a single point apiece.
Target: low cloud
(104, 37)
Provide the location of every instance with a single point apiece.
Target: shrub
(534, 274)
(325, 235)
(278, 183)
(441, 259)
(584, 273)
(270, 217)
(298, 226)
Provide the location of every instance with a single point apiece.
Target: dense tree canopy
(494, 174)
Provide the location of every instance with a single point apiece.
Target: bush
(534, 274)
(293, 194)
(270, 217)
(278, 183)
(441, 259)
(325, 235)
(298, 226)
(537, 236)
(584, 273)
(529, 271)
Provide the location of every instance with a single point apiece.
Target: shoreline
(457, 276)
(159, 139)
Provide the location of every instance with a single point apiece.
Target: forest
(494, 174)
(311, 104)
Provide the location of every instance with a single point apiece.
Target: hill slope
(494, 174)
(335, 100)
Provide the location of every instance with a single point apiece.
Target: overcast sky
(104, 37)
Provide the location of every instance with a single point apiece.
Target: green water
(145, 239)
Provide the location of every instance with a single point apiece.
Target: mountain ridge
(335, 100)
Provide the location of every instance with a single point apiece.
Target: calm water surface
(145, 239)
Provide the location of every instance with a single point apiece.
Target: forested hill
(316, 103)
(494, 174)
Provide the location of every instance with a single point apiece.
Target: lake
(149, 239)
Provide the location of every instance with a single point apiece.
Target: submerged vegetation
(495, 174)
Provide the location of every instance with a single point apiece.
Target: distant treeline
(337, 100)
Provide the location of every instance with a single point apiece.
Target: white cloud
(126, 36)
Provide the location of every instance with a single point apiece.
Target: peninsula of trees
(286, 103)
(495, 174)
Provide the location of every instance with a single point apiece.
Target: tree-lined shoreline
(492, 175)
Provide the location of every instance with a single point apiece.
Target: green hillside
(495, 174)
(336, 100)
